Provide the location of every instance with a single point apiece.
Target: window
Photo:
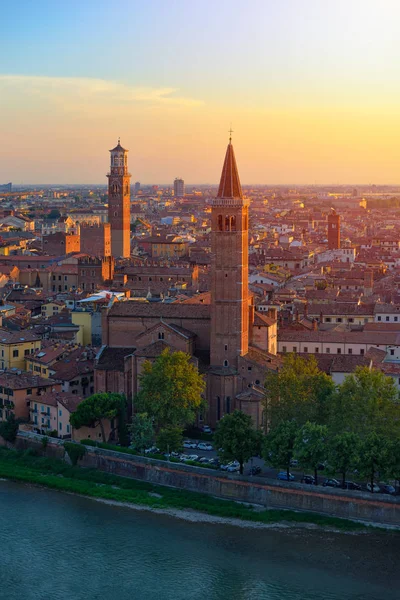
(26, 352)
(249, 368)
(220, 226)
(339, 351)
(379, 318)
(392, 352)
(29, 393)
(395, 319)
(294, 348)
(316, 350)
(160, 335)
(226, 347)
(305, 349)
(60, 413)
(350, 351)
(257, 382)
(60, 426)
(284, 349)
(15, 353)
(327, 319)
(68, 427)
(362, 351)
(228, 404)
(328, 350)
(226, 364)
(339, 320)
(351, 320)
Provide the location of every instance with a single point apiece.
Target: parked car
(213, 461)
(255, 470)
(234, 463)
(321, 466)
(351, 485)
(283, 476)
(193, 457)
(175, 454)
(331, 483)
(205, 446)
(206, 429)
(152, 450)
(375, 489)
(233, 468)
(189, 444)
(203, 459)
(309, 479)
(294, 462)
(388, 489)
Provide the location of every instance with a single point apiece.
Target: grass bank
(55, 474)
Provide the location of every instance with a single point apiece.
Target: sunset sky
(311, 87)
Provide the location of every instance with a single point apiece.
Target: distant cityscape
(93, 275)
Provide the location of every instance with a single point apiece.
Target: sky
(310, 87)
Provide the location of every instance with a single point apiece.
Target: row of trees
(353, 426)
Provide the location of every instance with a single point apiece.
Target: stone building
(119, 202)
(96, 239)
(94, 271)
(61, 244)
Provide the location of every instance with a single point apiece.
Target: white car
(234, 465)
(207, 429)
(189, 444)
(152, 450)
(375, 489)
(205, 446)
(233, 468)
(193, 457)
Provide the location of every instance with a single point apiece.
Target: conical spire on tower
(229, 186)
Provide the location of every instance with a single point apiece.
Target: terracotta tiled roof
(112, 359)
(175, 310)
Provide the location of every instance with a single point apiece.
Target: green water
(56, 546)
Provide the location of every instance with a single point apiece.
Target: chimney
(315, 325)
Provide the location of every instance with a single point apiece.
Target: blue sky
(307, 77)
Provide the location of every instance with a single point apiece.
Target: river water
(56, 546)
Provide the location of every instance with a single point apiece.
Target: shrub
(9, 428)
(45, 441)
(74, 451)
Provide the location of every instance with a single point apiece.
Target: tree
(9, 428)
(310, 446)
(298, 392)
(375, 457)
(94, 410)
(170, 390)
(367, 401)
(237, 438)
(279, 445)
(142, 431)
(170, 439)
(343, 452)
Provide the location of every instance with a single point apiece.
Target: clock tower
(119, 193)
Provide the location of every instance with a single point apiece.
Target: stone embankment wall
(376, 508)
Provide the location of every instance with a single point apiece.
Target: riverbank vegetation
(56, 474)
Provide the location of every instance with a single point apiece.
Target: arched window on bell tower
(227, 223)
(233, 223)
(220, 223)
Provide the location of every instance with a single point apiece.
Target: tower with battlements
(119, 195)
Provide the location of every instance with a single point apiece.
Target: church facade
(233, 346)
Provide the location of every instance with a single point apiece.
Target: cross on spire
(230, 134)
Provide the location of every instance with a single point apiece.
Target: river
(56, 546)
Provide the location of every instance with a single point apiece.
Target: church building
(233, 346)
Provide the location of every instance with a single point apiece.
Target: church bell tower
(229, 289)
(119, 202)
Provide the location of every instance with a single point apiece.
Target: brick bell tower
(119, 194)
(229, 288)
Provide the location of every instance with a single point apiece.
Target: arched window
(220, 223)
(233, 223)
(228, 405)
(218, 408)
(227, 223)
(226, 364)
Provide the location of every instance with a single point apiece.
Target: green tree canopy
(310, 446)
(237, 438)
(298, 392)
(375, 457)
(343, 452)
(142, 431)
(170, 390)
(94, 410)
(9, 428)
(367, 401)
(170, 439)
(279, 443)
